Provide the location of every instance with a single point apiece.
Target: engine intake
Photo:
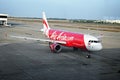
(55, 47)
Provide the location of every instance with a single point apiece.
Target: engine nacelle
(55, 47)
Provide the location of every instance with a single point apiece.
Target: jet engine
(55, 47)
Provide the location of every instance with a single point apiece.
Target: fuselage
(77, 40)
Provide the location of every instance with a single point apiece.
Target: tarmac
(33, 60)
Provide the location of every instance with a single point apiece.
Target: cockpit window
(94, 41)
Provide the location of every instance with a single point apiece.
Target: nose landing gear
(88, 55)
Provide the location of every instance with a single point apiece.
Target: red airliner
(56, 38)
(70, 39)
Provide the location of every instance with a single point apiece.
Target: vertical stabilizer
(45, 24)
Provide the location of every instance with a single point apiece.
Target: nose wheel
(88, 56)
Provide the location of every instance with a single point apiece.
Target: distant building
(113, 21)
(3, 19)
(108, 21)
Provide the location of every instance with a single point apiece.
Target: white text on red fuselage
(61, 36)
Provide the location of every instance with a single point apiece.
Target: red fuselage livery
(72, 39)
(69, 39)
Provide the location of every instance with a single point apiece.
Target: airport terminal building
(3, 19)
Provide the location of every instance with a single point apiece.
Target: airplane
(58, 38)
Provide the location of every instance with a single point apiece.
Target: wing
(37, 39)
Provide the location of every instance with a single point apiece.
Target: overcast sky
(70, 9)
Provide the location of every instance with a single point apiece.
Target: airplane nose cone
(99, 47)
(96, 47)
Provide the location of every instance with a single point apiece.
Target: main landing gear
(75, 49)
